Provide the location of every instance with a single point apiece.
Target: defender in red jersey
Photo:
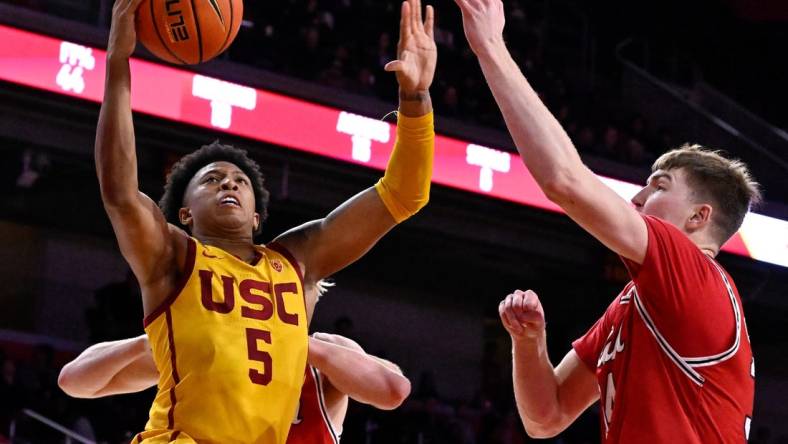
(670, 359)
(338, 369)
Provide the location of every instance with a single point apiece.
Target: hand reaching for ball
(122, 35)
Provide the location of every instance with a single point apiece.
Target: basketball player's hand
(122, 34)
(522, 315)
(417, 54)
(483, 22)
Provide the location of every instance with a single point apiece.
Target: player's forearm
(544, 146)
(535, 386)
(116, 159)
(405, 187)
(94, 369)
(359, 375)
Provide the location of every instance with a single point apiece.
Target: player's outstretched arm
(544, 146)
(548, 399)
(327, 245)
(110, 368)
(144, 237)
(354, 373)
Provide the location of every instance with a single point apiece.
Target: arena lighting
(74, 70)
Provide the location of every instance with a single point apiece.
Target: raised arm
(110, 368)
(327, 245)
(144, 237)
(352, 372)
(544, 146)
(548, 399)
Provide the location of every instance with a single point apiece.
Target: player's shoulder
(666, 239)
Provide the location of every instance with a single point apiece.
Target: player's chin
(233, 221)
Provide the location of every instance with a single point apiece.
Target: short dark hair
(184, 170)
(727, 183)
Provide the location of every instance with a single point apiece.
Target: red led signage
(70, 69)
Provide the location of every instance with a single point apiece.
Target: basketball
(187, 32)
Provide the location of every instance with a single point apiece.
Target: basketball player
(338, 368)
(670, 359)
(226, 318)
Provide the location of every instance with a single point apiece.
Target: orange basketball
(188, 31)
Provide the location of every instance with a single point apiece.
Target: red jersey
(312, 425)
(671, 353)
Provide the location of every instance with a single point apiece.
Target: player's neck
(706, 246)
(242, 247)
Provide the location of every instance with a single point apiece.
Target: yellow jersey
(230, 345)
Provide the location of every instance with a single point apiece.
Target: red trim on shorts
(191, 249)
(175, 436)
(137, 439)
(175, 377)
(281, 249)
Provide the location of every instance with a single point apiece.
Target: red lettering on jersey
(266, 305)
(208, 302)
(281, 310)
(256, 294)
(255, 354)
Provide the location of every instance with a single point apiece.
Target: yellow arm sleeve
(405, 188)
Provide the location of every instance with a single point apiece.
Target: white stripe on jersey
(703, 361)
(687, 364)
(322, 401)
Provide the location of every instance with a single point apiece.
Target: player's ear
(701, 217)
(256, 223)
(185, 216)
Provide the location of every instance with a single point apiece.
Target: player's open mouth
(229, 200)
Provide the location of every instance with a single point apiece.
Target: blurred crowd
(344, 44)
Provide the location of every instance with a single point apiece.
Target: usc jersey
(671, 353)
(230, 345)
(312, 424)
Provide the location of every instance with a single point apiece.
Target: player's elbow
(69, 381)
(542, 430)
(560, 188)
(397, 391)
(542, 421)
(116, 197)
(539, 432)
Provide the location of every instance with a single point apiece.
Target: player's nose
(639, 199)
(229, 184)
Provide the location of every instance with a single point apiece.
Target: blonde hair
(725, 183)
(322, 286)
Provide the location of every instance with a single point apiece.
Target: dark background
(628, 80)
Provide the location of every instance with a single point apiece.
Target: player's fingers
(416, 15)
(320, 336)
(472, 5)
(518, 307)
(508, 319)
(532, 317)
(531, 300)
(429, 23)
(501, 310)
(129, 7)
(404, 21)
(394, 65)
